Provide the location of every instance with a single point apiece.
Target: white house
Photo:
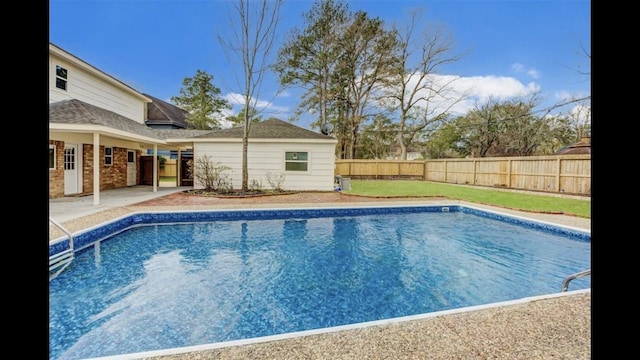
(304, 159)
(101, 131)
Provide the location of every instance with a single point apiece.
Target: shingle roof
(161, 112)
(581, 147)
(267, 129)
(180, 133)
(78, 112)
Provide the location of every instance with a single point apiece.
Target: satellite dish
(326, 128)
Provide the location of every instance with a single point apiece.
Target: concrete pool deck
(549, 327)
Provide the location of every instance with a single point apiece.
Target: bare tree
(413, 90)
(254, 31)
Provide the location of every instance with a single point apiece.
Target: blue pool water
(161, 284)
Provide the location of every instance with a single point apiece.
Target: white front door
(71, 169)
(131, 167)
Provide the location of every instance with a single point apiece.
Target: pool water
(162, 286)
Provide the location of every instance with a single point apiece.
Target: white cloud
(517, 67)
(479, 89)
(473, 90)
(520, 68)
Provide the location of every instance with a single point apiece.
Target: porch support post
(155, 167)
(96, 168)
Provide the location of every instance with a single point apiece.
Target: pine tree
(202, 100)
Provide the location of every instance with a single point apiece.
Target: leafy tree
(376, 138)
(509, 128)
(480, 129)
(339, 59)
(367, 56)
(309, 56)
(239, 118)
(202, 100)
(443, 143)
(255, 31)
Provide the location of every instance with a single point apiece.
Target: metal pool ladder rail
(567, 280)
(61, 260)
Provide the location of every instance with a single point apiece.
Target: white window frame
(108, 158)
(295, 160)
(64, 79)
(53, 147)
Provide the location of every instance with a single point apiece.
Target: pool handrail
(62, 259)
(567, 280)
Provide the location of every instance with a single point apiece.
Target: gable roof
(163, 113)
(267, 129)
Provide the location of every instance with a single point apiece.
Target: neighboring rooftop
(581, 147)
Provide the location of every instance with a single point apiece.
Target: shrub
(275, 180)
(211, 176)
(255, 185)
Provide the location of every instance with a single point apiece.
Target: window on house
(108, 156)
(296, 161)
(61, 77)
(52, 157)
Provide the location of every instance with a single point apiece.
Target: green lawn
(168, 178)
(480, 195)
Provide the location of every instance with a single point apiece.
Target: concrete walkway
(72, 207)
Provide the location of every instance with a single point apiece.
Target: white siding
(269, 157)
(86, 86)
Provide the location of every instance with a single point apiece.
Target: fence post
(446, 172)
(509, 174)
(475, 170)
(558, 175)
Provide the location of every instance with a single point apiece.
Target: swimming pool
(169, 280)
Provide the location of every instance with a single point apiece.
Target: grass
(168, 178)
(480, 195)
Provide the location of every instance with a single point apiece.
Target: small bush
(255, 185)
(211, 176)
(275, 180)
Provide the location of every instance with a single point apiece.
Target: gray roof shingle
(268, 129)
(79, 112)
(161, 112)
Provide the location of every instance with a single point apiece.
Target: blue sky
(511, 46)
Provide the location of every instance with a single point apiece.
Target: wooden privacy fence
(570, 174)
(170, 168)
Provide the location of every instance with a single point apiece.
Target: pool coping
(328, 330)
(90, 235)
(130, 218)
